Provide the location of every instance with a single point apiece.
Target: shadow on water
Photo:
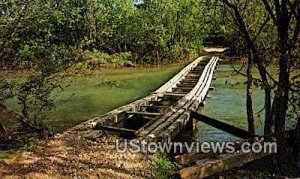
(227, 102)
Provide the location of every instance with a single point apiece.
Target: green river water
(227, 102)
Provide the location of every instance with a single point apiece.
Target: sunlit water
(227, 102)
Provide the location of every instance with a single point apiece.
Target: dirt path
(214, 49)
(72, 155)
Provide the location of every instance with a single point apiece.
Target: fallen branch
(9, 112)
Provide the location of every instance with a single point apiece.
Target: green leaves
(25, 51)
(163, 167)
(152, 32)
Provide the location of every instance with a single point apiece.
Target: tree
(37, 37)
(285, 21)
(286, 18)
(257, 59)
(249, 103)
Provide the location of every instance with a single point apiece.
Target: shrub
(96, 59)
(163, 167)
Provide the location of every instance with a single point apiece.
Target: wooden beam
(154, 106)
(113, 129)
(200, 69)
(175, 94)
(190, 158)
(196, 72)
(223, 126)
(142, 113)
(193, 75)
(183, 88)
(189, 80)
(188, 83)
(181, 91)
(227, 162)
(191, 85)
(148, 118)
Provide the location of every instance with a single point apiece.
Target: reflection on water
(227, 102)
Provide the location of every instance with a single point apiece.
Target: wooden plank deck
(182, 94)
(114, 129)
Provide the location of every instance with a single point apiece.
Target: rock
(92, 135)
(129, 64)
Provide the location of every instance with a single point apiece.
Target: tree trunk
(280, 103)
(282, 93)
(297, 142)
(269, 121)
(250, 118)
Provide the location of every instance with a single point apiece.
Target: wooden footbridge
(165, 113)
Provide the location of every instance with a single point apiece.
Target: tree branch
(270, 11)
(297, 29)
(7, 111)
(261, 28)
(238, 71)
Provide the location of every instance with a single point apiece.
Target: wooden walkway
(164, 113)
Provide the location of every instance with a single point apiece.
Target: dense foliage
(151, 32)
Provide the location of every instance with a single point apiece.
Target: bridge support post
(190, 125)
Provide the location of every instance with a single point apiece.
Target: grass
(5, 154)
